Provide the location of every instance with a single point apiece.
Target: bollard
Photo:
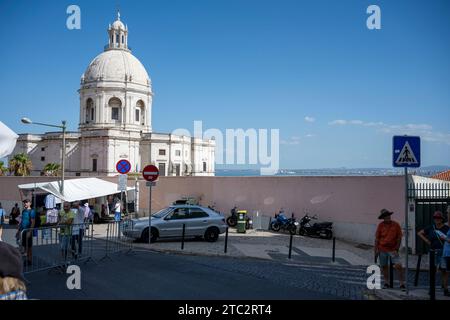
(391, 273)
(182, 236)
(432, 276)
(226, 241)
(290, 246)
(334, 250)
(416, 278)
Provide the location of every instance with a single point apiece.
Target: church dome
(116, 65)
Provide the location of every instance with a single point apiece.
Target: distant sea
(425, 172)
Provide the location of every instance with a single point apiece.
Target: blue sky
(336, 90)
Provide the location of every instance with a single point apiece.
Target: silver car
(168, 223)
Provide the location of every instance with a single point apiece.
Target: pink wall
(348, 199)
(352, 203)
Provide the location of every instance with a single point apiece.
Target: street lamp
(63, 151)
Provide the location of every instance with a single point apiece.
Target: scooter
(317, 230)
(283, 223)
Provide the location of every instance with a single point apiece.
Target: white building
(115, 123)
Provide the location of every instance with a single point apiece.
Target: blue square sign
(406, 151)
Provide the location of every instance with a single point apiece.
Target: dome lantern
(118, 35)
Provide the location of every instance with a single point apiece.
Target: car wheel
(211, 234)
(144, 236)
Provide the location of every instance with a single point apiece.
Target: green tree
(20, 165)
(52, 169)
(3, 169)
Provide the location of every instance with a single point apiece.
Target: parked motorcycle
(322, 230)
(233, 219)
(283, 223)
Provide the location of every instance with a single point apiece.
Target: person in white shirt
(117, 211)
(77, 229)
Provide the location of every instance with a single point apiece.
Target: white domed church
(115, 123)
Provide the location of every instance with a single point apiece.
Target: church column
(101, 109)
(97, 109)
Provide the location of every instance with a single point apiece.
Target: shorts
(446, 262)
(440, 262)
(64, 241)
(27, 242)
(384, 258)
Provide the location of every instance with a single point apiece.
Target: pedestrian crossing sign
(406, 151)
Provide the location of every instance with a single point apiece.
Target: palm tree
(3, 169)
(52, 169)
(20, 165)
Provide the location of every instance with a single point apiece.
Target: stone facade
(115, 123)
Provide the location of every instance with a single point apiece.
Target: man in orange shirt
(387, 245)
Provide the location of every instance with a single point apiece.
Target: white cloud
(310, 135)
(339, 122)
(425, 131)
(310, 119)
(294, 140)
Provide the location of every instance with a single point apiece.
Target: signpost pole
(406, 153)
(150, 214)
(406, 231)
(150, 173)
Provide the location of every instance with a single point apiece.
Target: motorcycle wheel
(292, 230)
(328, 235)
(276, 227)
(232, 222)
(302, 232)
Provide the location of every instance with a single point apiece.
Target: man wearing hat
(12, 285)
(431, 235)
(388, 238)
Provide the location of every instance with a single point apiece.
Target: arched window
(140, 112)
(90, 110)
(116, 105)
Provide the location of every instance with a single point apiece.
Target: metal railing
(57, 246)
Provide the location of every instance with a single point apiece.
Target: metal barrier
(55, 246)
(114, 241)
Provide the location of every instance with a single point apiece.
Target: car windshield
(162, 213)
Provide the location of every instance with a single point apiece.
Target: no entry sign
(150, 173)
(123, 166)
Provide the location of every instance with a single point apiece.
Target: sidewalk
(270, 246)
(419, 293)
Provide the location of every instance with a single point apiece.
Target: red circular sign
(123, 166)
(150, 173)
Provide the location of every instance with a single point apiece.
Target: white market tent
(8, 140)
(75, 189)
